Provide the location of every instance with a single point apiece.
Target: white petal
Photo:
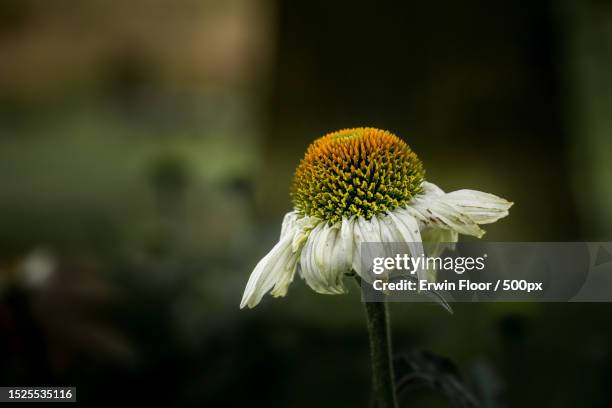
(357, 240)
(388, 232)
(327, 257)
(347, 242)
(437, 240)
(369, 230)
(483, 208)
(364, 231)
(335, 267)
(314, 258)
(289, 222)
(438, 212)
(285, 276)
(322, 256)
(390, 235)
(408, 229)
(277, 266)
(341, 255)
(277, 269)
(460, 211)
(307, 256)
(432, 189)
(304, 226)
(392, 239)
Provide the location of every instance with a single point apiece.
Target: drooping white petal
(435, 211)
(277, 266)
(392, 233)
(308, 262)
(276, 270)
(365, 231)
(304, 226)
(285, 275)
(347, 243)
(323, 258)
(437, 240)
(432, 189)
(289, 222)
(483, 208)
(341, 255)
(327, 257)
(388, 231)
(407, 228)
(369, 231)
(392, 239)
(403, 228)
(459, 211)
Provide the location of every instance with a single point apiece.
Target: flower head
(360, 172)
(362, 185)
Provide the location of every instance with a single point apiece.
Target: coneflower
(363, 185)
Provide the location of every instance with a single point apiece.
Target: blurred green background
(146, 154)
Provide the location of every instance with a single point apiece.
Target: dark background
(146, 155)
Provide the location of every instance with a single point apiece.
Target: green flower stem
(380, 349)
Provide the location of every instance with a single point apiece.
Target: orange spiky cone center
(359, 171)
